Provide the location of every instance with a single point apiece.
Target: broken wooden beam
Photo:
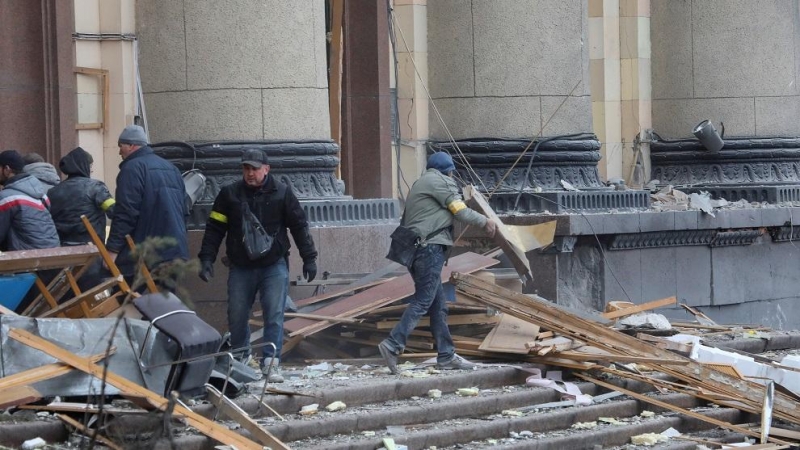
(206, 426)
(640, 308)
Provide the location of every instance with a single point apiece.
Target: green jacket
(432, 204)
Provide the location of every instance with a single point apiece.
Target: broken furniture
(72, 263)
(191, 338)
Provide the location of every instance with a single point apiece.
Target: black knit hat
(12, 159)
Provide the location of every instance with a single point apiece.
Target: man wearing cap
(25, 221)
(433, 202)
(150, 202)
(277, 208)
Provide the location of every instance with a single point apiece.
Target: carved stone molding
(572, 160)
(309, 167)
(711, 238)
(741, 160)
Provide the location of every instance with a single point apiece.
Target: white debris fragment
(309, 410)
(33, 443)
(435, 393)
(567, 186)
(646, 320)
(468, 392)
(702, 201)
(671, 432)
(646, 413)
(336, 406)
(512, 413)
(584, 425)
(610, 420)
(368, 433)
(648, 439)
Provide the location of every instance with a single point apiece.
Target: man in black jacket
(150, 203)
(79, 195)
(277, 208)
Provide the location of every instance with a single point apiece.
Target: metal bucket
(708, 136)
(195, 183)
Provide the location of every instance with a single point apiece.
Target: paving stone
(656, 221)
(686, 220)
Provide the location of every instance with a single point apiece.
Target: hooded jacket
(44, 172)
(151, 202)
(25, 222)
(79, 195)
(276, 207)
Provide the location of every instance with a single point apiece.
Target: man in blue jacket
(150, 202)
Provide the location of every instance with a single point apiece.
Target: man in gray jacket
(25, 221)
(433, 202)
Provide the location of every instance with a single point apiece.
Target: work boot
(275, 375)
(456, 363)
(388, 356)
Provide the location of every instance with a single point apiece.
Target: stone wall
(244, 70)
(731, 61)
(501, 68)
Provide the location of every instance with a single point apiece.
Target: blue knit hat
(442, 162)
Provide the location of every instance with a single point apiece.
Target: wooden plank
(151, 285)
(349, 289)
(670, 407)
(41, 373)
(89, 432)
(564, 322)
(202, 424)
(232, 410)
(639, 308)
(578, 356)
(19, 396)
(381, 295)
(319, 317)
(502, 237)
(509, 336)
(86, 296)
(531, 237)
(75, 407)
(6, 311)
(455, 319)
(47, 258)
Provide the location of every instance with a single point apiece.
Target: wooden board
(232, 410)
(19, 396)
(503, 238)
(202, 424)
(89, 432)
(560, 320)
(452, 319)
(381, 295)
(47, 258)
(510, 336)
(46, 372)
(639, 308)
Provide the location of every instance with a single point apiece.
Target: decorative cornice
(572, 160)
(309, 167)
(741, 160)
(681, 238)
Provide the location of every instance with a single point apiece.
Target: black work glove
(206, 270)
(310, 270)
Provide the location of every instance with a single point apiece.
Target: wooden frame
(104, 79)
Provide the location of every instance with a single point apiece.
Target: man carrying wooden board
(433, 202)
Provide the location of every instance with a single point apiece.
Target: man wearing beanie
(25, 221)
(150, 202)
(433, 202)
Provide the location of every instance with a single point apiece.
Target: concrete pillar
(731, 61)
(37, 83)
(503, 68)
(410, 23)
(366, 111)
(243, 70)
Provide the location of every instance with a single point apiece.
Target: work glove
(206, 270)
(310, 270)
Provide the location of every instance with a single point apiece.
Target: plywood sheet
(510, 336)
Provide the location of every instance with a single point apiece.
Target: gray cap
(254, 158)
(133, 135)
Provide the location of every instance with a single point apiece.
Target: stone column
(37, 82)
(731, 61)
(502, 68)
(227, 71)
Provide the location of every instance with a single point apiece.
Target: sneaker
(457, 363)
(388, 356)
(275, 375)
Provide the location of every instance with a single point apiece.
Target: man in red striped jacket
(25, 221)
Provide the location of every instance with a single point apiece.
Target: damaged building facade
(541, 104)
